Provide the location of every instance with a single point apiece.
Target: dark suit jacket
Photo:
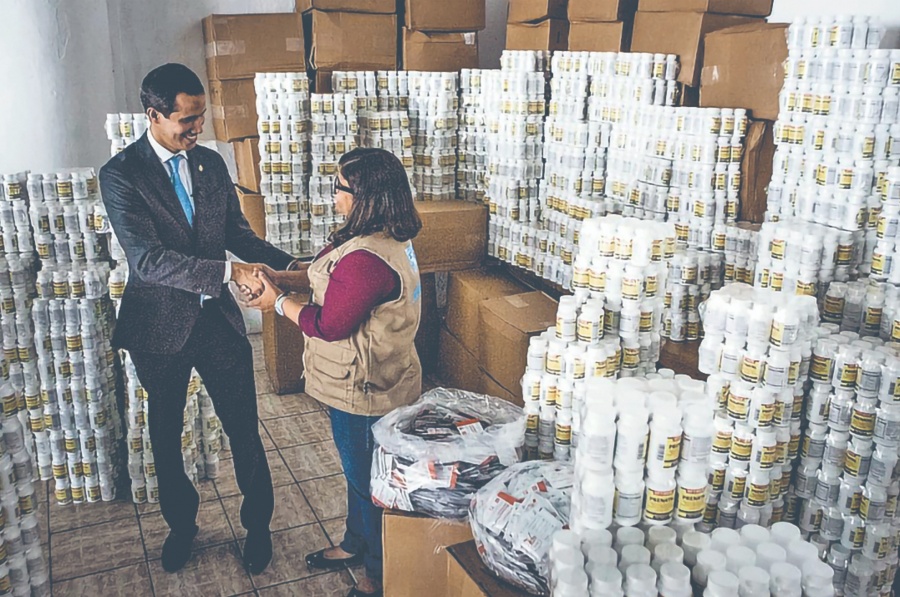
(170, 263)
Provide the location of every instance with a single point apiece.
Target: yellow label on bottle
(820, 368)
(852, 463)
(738, 487)
(757, 494)
(659, 504)
(717, 479)
(563, 434)
(738, 406)
(631, 357)
(691, 503)
(741, 448)
(750, 369)
(848, 375)
(862, 423)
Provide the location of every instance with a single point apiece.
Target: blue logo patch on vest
(411, 255)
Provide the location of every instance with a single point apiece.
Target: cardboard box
(322, 83)
(490, 387)
(283, 349)
(457, 367)
(232, 105)
(352, 41)
(467, 576)
(429, 327)
(682, 358)
(593, 11)
(550, 34)
(743, 68)
(415, 556)
(439, 51)
(453, 236)
(368, 6)
(598, 37)
(239, 46)
(680, 33)
(507, 324)
(443, 15)
(750, 8)
(246, 158)
(254, 209)
(756, 170)
(466, 291)
(529, 11)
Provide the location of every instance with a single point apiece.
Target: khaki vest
(377, 368)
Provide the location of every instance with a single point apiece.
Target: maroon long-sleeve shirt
(359, 282)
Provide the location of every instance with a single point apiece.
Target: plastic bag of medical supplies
(514, 518)
(433, 455)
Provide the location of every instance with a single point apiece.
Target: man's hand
(243, 275)
(265, 300)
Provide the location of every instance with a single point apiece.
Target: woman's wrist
(279, 303)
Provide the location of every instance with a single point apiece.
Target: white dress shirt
(184, 171)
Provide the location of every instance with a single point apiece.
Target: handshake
(260, 285)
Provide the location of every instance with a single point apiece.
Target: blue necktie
(183, 197)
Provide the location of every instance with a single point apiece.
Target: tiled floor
(114, 548)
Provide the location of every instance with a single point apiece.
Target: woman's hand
(266, 299)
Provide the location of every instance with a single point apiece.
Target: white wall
(493, 38)
(65, 64)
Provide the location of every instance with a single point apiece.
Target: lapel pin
(200, 167)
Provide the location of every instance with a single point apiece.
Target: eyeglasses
(337, 186)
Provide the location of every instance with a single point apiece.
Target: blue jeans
(354, 441)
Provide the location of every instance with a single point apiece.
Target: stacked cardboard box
(679, 26)
(600, 25)
(537, 25)
(484, 341)
(743, 67)
(237, 47)
(348, 35)
(441, 36)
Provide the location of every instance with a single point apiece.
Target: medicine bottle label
(848, 374)
(871, 511)
(833, 310)
(750, 369)
(820, 368)
(531, 423)
(716, 479)
(766, 456)
(628, 505)
(691, 502)
(631, 357)
(738, 406)
(660, 505)
(738, 486)
(670, 452)
(757, 494)
(722, 442)
(563, 434)
(741, 448)
(862, 423)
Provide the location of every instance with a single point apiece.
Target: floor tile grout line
(105, 571)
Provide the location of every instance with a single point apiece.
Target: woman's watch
(279, 303)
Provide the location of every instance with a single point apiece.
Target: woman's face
(343, 200)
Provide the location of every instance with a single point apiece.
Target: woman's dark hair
(161, 85)
(382, 199)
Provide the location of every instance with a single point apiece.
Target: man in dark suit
(173, 208)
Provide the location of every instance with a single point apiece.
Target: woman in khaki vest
(359, 329)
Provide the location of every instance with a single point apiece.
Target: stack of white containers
(838, 132)
(333, 133)
(514, 100)
(675, 562)
(472, 136)
(433, 118)
(382, 99)
(846, 483)
(282, 102)
(72, 327)
(692, 276)
(642, 453)
(24, 571)
(560, 363)
(124, 129)
(757, 351)
(202, 437)
(622, 263)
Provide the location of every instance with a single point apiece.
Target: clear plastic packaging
(514, 519)
(434, 454)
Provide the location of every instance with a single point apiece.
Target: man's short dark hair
(161, 85)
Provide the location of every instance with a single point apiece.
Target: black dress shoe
(176, 551)
(257, 551)
(319, 561)
(354, 592)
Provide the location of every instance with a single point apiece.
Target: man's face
(180, 130)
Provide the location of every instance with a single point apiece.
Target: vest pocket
(333, 361)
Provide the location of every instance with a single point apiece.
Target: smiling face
(180, 130)
(343, 201)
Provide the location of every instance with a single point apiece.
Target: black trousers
(224, 360)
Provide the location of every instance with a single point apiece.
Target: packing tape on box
(225, 48)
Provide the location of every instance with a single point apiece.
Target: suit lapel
(160, 185)
(199, 186)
